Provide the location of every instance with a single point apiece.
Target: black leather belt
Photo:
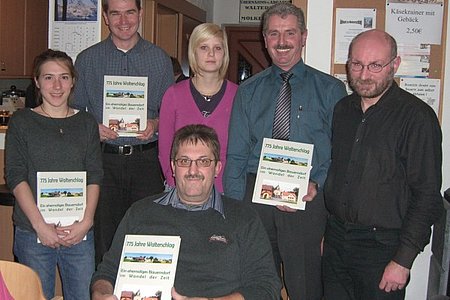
(127, 149)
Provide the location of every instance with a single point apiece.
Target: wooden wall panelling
(303, 4)
(437, 60)
(149, 20)
(188, 24)
(168, 24)
(23, 35)
(36, 32)
(167, 29)
(185, 8)
(182, 37)
(12, 28)
(104, 30)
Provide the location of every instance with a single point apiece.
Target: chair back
(22, 281)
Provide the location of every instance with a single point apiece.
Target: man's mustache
(283, 47)
(361, 81)
(195, 176)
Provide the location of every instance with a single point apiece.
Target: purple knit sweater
(178, 109)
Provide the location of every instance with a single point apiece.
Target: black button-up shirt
(386, 167)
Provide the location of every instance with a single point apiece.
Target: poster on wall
(426, 89)
(415, 60)
(410, 21)
(349, 23)
(250, 11)
(74, 25)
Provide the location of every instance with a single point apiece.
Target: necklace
(207, 98)
(207, 94)
(61, 131)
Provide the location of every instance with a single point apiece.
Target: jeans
(354, 258)
(76, 264)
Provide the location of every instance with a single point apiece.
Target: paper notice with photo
(349, 23)
(125, 104)
(61, 196)
(283, 173)
(147, 267)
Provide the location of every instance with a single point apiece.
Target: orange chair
(21, 281)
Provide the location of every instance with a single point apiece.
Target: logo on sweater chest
(218, 239)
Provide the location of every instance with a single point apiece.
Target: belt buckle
(126, 150)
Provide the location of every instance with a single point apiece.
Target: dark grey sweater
(34, 143)
(206, 267)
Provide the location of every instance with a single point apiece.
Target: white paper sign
(250, 11)
(426, 89)
(147, 267)
(414, 23)
(349, 23)
(283, 173)
(415, 60)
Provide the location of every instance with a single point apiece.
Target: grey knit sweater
(239, 261)
(35, 143)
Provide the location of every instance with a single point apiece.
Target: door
(188, 26)
(248, 54)
(169, 24)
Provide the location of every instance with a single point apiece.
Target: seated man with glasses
(383, 186)
(224, 253)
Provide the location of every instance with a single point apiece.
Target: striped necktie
(282, 118)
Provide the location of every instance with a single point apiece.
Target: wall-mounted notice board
(420, 31)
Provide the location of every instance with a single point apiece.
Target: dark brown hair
(105, 5)
(193, 134)
(52, 55)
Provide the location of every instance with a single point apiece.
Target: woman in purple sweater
(206, 98)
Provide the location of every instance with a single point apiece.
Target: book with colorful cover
(283, 173)
(61, 196)
(125, 104)
(147, 267)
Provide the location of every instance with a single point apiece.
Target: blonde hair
(202, 33)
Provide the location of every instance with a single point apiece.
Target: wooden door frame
(234, 30)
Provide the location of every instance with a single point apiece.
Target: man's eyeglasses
(187, 162)
(373, 67)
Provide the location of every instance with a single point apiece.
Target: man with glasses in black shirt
(383, 185)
